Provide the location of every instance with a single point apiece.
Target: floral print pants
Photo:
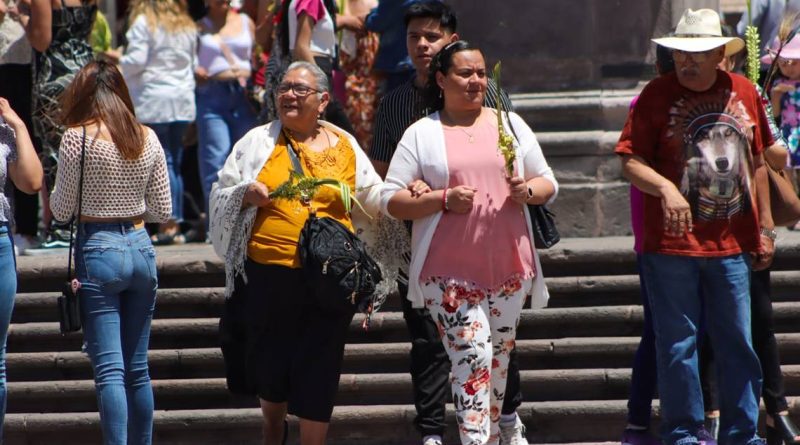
(478, 329)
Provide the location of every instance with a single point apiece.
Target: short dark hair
(433, 9)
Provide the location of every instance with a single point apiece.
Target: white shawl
(231, 225)
(421, 154)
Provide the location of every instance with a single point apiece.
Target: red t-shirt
(704, 143)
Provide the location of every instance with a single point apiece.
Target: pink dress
(489, 248)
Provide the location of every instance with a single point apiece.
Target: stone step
(565, 292)
(196, 266)
(582, 157)
(351, 425)
(591, 291)
(567, 353)
(179, 266)
(200, 302)
(548, 422)
(603, 321)
(354, 389)
(613, 255)
(577, 110)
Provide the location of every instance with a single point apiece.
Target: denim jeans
(116, 266)
(8, 288)
(673, 288)
(170, 135)
(223, 117)
(643, 371)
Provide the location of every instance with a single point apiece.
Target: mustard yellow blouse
(277, 226)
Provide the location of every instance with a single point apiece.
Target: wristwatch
(769, 233)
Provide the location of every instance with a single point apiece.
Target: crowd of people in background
(200, 75)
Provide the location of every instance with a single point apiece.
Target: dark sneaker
(705, 437)
(639, 437)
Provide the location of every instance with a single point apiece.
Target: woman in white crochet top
(125, 183)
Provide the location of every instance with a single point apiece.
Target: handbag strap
(74, 223)
(293, 154)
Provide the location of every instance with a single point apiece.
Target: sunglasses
(697, 57)
(299, 90)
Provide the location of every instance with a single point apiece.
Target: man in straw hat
(693, 145)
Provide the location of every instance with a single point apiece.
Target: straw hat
(699, 31)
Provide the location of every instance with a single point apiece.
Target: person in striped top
(430, 25)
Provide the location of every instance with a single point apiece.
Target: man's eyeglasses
(299, 90)
(697, 57)
(787, 62)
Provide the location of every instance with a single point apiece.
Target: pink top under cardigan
(489, 246)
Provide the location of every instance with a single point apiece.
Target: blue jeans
(170, 135)
(223, 117)
(643, 371)
(8, 288)
(673, 288)
(116, 266)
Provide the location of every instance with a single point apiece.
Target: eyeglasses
(299, 90)
(787, 62)
(697, 57)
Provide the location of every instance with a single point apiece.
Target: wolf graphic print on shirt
(717, 177)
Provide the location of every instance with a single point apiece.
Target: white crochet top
(113, 187)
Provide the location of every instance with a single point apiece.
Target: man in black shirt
(430, 25)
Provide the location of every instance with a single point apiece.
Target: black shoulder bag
(69, 308)
(335, 262)
(543, 222)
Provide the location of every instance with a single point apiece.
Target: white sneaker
(22, 244)
(432, 441)
(513, 434)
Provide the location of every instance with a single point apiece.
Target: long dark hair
(441, 63)
(99, 93)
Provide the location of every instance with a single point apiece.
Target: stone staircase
(578, 132)
(575, 356)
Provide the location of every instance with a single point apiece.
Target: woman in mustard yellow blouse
(295, 347)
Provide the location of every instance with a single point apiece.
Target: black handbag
(335, 262)
(543, 221)
(69, 308)
(545, 233)
(337, 266)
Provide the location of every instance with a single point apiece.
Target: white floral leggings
(478, 331)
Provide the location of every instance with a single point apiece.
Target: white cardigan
(230, 224)
(421, 154)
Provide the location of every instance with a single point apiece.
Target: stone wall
(551, 45)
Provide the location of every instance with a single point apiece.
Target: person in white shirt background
(158, 65)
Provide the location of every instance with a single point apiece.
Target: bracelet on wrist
(445, 207)
(769, 233)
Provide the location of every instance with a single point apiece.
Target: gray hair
(319, 75)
